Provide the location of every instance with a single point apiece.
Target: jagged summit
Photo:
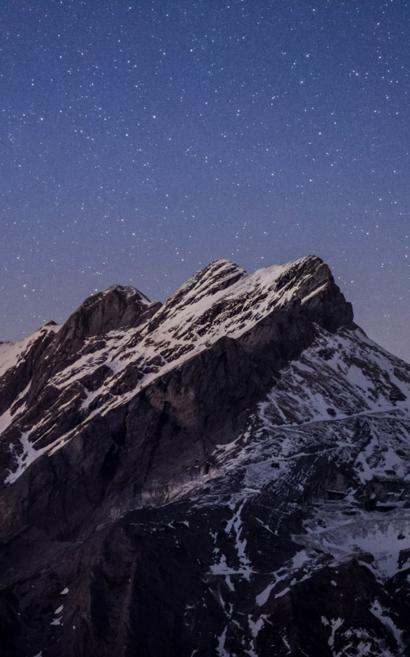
(220, 301)
(231, 299)
(214, 471)
(117, 307)
(127, 290)
(122, 307)
(209, 280)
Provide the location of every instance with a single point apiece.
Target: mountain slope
(220, 475)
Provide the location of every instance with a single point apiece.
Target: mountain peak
(214, 277)
(126, 291)
(241, 441)
(117, 307)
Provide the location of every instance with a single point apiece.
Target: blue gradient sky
(139, 140)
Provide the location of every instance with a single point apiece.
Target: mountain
(226, 474)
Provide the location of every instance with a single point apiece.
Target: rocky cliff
(224, 474)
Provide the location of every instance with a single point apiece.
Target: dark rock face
(221, 475)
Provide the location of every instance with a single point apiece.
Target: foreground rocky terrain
(227, 474)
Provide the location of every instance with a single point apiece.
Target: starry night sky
(140, 139)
